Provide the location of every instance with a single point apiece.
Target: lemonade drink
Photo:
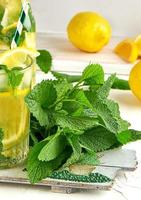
(14, 114)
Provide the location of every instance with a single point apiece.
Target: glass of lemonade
(15, 117)
(14, 114)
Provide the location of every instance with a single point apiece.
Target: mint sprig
(14, 75)
(44, 61)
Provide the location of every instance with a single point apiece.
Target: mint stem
(120, 84)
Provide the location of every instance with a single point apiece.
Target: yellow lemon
(89, 31)
(127, 50)
(135, 80)
(138, 43)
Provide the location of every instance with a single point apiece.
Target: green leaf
(93, 74)
(15, 76)
(62, 87)
(38, 170)
(107, 109)
(72, 107)
(75, 156)
(104, 90)
(40, 99)
(53, 148)
(128, 136)
(1, 13)
(75, 123)
(88, 159)
(44, 60)
(80, 97)
(97, 139)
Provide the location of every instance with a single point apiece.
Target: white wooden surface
(67, 58)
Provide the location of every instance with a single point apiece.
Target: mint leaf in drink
(44, 60)
(53, 148)
(40, 99)
(93, 74)
(2, 10)
(15, 76)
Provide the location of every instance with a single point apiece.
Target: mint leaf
(15, 76)
(107, 109)
(62, 88)
(53, 148)
(44, 60)
(129, 136)
(40, 99)
(104, 90)
(75, 123)
(1, 13)
(88, 159)
(80, 97)
(72, 107)
(38, 170)
(93, 74)
(75, 156)
(97, 139)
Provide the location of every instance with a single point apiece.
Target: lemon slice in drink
(16, 123)
(6, 29)
(17, 57)
(12, 10)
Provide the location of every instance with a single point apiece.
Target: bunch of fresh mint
(70, 122)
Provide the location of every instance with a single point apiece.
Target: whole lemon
(89, 31)
(135, 80)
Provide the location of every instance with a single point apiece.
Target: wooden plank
(18, 175)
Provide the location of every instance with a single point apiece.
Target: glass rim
(24, 68)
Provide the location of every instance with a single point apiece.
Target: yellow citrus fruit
(12, 9)
(138, 43)
(127, 50)
(89, 31)
(135, 80)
